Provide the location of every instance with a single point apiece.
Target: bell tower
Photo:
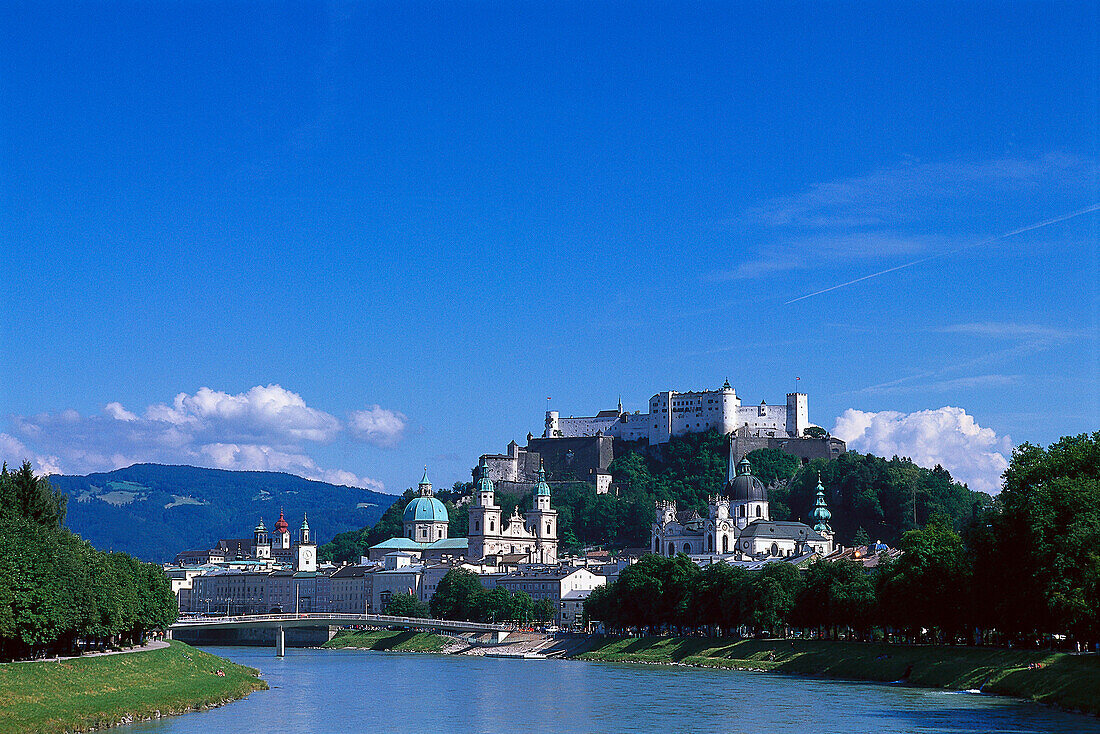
(484, 516)
(305, 558)
(544, 521)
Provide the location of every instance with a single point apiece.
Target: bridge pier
(280, 642)
(499, 636)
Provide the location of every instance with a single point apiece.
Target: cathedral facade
(535, 535)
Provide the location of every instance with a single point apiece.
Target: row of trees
(1026, 568)
(460, 595)
(56, 589)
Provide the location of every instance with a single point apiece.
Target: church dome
(542, 489)
(425, 509)
(745, 487)
(281, 525)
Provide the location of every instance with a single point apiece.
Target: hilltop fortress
(582, 449)
(676, 413)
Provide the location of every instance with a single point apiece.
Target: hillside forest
(871, 498)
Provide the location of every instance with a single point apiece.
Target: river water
(358, 691)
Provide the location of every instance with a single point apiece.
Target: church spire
(820, 514)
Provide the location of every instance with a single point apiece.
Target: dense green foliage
(460, 595)
(406, 605)
(1026, 569)
(153, 512)
(884, 498)
(56, 589)
(99, 692)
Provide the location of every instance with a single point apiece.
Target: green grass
(1069, 681)
(388, 640)
(81, 694)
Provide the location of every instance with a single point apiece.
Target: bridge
(280, 622)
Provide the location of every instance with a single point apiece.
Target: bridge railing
(373, 619)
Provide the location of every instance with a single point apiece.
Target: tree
(544, 610)
(771, 595)
(836, 594)
(406, 605)
(773, 465)
(1038, 551)
(32, 498)
(458, 596)
(926, 587)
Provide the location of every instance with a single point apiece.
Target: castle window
(477, 526)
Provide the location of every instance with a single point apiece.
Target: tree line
(57, 590)
(461, 595)
(1025, 570)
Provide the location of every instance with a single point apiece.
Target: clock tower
(305, 558)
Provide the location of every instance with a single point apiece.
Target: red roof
(280, 524)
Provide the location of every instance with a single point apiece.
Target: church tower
(306, 556)
(282, 533)
(544, 522)
(484, 516)
(820, 515)
(261, 542)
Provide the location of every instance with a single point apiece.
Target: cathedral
(534, 536)
(738, 523)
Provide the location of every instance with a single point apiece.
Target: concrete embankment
(81, 694)
(1071, 682)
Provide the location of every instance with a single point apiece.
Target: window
(477, 525)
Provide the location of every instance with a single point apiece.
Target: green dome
(542, 489)
(425, 509)
(484, 483)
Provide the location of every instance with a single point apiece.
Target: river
(334, 691)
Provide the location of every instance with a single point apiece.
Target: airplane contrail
(1021, 230)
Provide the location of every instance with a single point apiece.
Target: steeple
(620, 404)
(542, 489)
(425, 484)
(820, 513)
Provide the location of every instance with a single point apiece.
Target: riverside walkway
(280, 622)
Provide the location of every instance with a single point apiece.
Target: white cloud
(265, 428)
(946, 436)
(377, 425)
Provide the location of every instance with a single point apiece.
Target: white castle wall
(674, 414)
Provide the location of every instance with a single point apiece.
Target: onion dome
(424, 481)
(542, 489)
(745, 487)
(305, 523)
(820, 514)
(484, 483)
(425, 509)
(260, 528)
(281, 525)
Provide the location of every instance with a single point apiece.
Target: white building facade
(674, 413)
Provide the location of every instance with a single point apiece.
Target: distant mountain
(153, 511)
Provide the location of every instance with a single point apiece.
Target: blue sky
(380, 235)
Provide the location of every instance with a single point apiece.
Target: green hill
(153, 511)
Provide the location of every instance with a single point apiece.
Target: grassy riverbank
(397, 641)
(96, 692)
(1069, 681)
